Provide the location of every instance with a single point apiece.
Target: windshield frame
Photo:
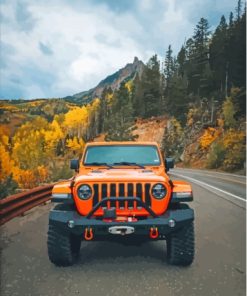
(160, 163)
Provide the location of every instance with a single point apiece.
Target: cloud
(57, 48)
(23, 17)
(45, 49)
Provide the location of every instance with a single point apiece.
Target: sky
(56, 48)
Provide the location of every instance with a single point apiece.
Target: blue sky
(57, 48)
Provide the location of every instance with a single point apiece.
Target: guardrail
(17, 204)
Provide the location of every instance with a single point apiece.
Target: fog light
(171, 223)
(71, 224)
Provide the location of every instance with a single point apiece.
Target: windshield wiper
(129, 164)
(99, 164)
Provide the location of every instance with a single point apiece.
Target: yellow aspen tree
(75, 145)
(76, 121)
(52, 137)
(6, 163)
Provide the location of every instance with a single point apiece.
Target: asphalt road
(113, 269)
(229, 186)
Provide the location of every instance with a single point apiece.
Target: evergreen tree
(121, 121)
(103, 110)
(231, 19)
(138, 104)
(189, 66)
(218, 57)
(181, 59)
(178, 100)
(169, 65)
(151, 80)
(236, 54)
(200, 54)
(239, 9)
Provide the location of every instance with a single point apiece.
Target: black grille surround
(141, 190)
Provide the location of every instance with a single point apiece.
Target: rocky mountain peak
(113, 81)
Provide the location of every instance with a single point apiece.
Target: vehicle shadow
(114, 251)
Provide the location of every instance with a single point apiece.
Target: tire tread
(181, 246)
(62, 247)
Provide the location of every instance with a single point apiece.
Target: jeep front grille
(122, 190)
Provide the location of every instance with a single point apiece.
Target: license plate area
(121, 230)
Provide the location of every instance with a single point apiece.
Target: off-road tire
(63, 247)
(181, 246)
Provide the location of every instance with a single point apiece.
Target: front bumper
(62, 219)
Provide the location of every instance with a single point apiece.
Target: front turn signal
(182, 196)
(61, 197)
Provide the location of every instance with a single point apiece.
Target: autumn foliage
(209, 136)
(39, 148)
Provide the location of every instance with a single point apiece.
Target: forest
(201, 91)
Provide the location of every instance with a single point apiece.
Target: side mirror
(74, 164)
(169, 163)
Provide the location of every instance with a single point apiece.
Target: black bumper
(182, 217)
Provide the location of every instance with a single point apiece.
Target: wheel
(63, 247)
(181, 246)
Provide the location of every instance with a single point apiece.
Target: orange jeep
(121, 191)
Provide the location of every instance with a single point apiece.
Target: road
(229, 186)
(113, 269)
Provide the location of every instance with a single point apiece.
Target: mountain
(113, 81)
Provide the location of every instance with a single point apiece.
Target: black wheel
(181, 246)
(63, 247)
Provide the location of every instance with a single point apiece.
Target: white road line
(213, 172)
(206, 185)
(220, 177)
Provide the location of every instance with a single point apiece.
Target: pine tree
(218, 57)
(236, 53)
(239, 10)
(121, 121)
(231, 19)
(103, 110)
(181, 59)
(189, 66)
(200, 54)
(178, 100)
(138, 101)
(151, 80)
(169, 65)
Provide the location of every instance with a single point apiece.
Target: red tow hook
(88, 234)
(154, 233)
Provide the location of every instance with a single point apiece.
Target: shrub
(7, 187)
(216, 155)
(234, 142)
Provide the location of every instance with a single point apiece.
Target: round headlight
(159, 191)
(84, 191)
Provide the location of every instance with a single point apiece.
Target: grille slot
(121, 193)
(113, 194)
(147, 195)
(130, 193)
(139, 190)
(96, 194)
(104, 191)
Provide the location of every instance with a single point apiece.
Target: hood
(121, 175)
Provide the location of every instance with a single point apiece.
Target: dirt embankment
(147, 130)
(151, 129)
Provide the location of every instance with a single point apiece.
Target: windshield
(117, 154)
